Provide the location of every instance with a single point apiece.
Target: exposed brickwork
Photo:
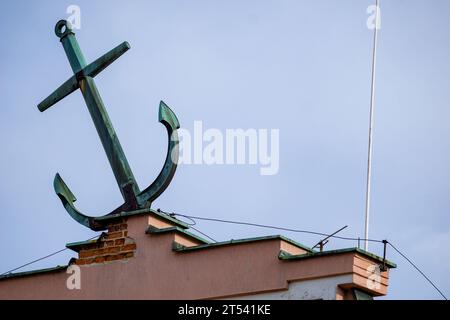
(113, 245)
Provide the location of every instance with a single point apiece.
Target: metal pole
(383, 267)
(324, 241)
(371, 122)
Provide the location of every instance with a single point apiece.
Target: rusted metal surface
(83, 79)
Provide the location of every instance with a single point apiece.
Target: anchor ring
(63, 28)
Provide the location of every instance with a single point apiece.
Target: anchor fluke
(168, 118)
(67, 198)
(166, 115)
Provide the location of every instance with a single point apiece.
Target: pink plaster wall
(157, 272)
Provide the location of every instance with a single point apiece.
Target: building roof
(286, 256)
(173, 220)
(181, 248)
(32, 272)
(154, 230)
(180, 227)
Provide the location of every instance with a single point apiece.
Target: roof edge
(286, 256)
(155, 230)
(76, 246)
(240, 241)
(32, 272)
(124, 214)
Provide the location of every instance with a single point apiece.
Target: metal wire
(418, 270)
(39, 259)
(193, 218)
(273, 227)
(317, 233)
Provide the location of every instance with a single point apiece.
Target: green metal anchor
(83, 79)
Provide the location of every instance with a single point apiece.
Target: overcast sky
(302, 67)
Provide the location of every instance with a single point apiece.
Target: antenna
(324, 241)
(371, 122)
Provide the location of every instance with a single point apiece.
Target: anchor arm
(67, 198)
(168, 118)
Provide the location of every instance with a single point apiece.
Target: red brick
(99, 260)
(99, 251)
(80, 262)
(113, 228)
(109, 243)
(119, 242)
(90, 246)
(129, 255)
(109, 258)
(117, 227)
(86, 253)
(128, 247)
(114, 235)
(115, 257)
(113, 250)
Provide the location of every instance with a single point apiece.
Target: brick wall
(111, 246)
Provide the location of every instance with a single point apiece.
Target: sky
(303, 67)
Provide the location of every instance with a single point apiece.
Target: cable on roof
(315, 233)
(271, 227)
(261, 226)
(190, 224)
(39, 259)
(202, 233)
(34, 261)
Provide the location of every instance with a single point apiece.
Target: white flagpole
(371, 122)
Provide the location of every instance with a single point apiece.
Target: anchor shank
(119, 164)
(73, 52)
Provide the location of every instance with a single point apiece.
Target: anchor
(135, 201)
